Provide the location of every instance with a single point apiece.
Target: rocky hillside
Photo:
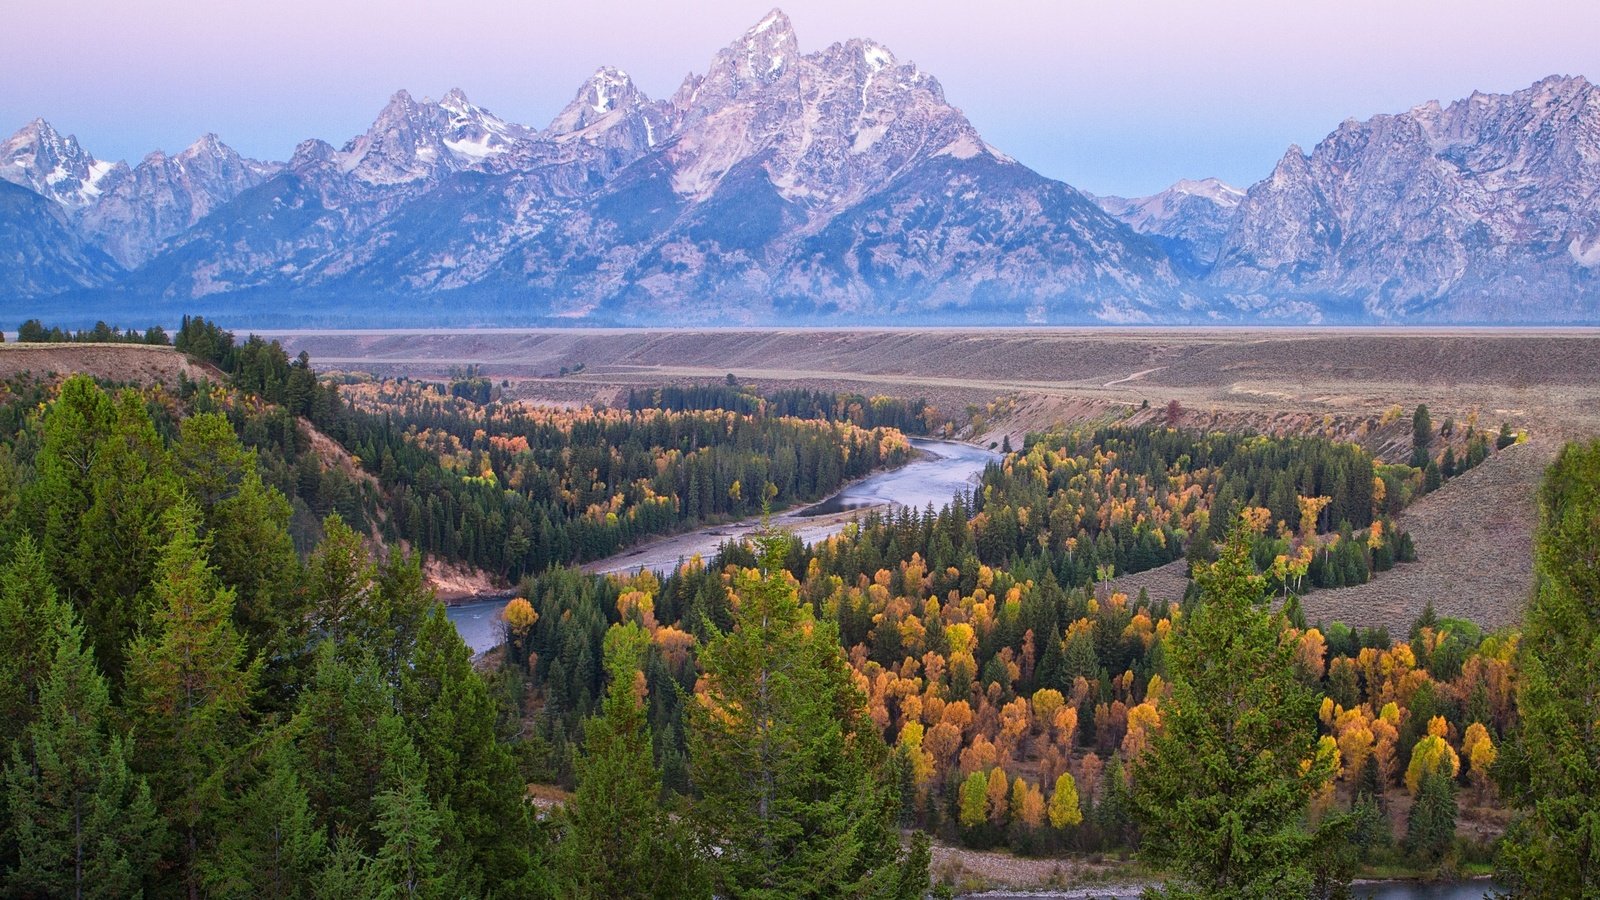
(835, 186)
(40, 253)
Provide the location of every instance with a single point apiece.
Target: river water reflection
(946, 467)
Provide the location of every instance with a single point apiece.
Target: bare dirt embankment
(1474, 539)
(1074, 877)
(133, 363)
(1473, 535)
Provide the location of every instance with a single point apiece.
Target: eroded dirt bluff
(135, 363)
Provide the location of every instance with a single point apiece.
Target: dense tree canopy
(222, 673)
(1553, 766)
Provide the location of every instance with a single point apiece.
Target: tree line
(34, 331)
(909, 416)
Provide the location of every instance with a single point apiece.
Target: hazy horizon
(1113, 100)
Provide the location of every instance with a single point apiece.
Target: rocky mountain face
(165, 195)
(37, 157)
(127, 213)
(40, 253)
(777, 185)
(1189, 220)
(834, 186)
(1486, 210)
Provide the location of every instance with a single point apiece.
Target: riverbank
(939, 471)
(999, 875)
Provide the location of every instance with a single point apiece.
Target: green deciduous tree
(973, 809)
(1551, 768)
(1223, 790)
(1063, 809)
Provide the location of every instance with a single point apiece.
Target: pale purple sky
(1114, 96)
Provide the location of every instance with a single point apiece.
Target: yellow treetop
(1064, 807)
(1431, 754)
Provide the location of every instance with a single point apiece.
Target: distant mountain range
(831, 187)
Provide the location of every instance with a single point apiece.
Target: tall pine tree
(619, 840)
(121, 535)
(1223, 790)
(84, 824)
(1551, 767)
(795, 790)
(32, 621)
(270, 845)
(451, 717)
(188, 692)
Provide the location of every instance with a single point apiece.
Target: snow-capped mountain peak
(1214, 189)
(207, 144)
(164, 195)
(1475, 210)
(474, 132)
(1190, 218)
(835, 185)
(769, 46)
(877, 56)
(611, 113)
(607, 92)
(456, 103)
(41, 159)
(416, 142)
(763, 56)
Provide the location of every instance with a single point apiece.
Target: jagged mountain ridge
(1485, 210)
(40, 253)
(837, 186)
(709, 206)
(39, 158)
(165, 195)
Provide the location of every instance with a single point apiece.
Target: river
(941, 470)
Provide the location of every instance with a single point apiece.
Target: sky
(1112, 96)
